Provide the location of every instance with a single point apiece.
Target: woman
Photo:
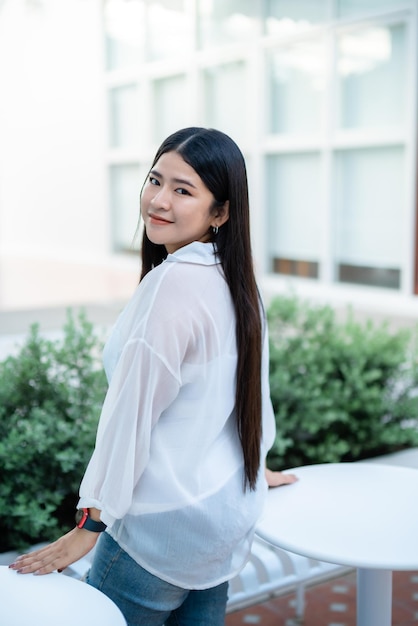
(176, 474)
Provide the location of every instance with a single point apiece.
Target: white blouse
(167, 469)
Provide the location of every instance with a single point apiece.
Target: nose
(161, 199)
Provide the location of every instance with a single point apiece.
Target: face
(176, 206)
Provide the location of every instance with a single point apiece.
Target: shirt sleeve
(141, 388)
(269, 420)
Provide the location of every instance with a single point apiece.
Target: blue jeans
(146, 600)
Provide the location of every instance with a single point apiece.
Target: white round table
(53, 600)
(363, 515)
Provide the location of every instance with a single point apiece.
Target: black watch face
(79, 516)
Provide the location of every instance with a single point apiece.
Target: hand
(276, 479)
(58, 555)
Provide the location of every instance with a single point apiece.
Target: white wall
(54, 225)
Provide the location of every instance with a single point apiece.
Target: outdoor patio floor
(332, 604)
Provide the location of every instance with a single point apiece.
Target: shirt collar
(195, 252)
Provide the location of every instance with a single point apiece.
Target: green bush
(50, 400)
(341, 390)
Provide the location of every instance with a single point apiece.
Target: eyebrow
(179, 181)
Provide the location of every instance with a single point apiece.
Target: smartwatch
(83, 520)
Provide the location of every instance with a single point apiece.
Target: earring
(215, 230)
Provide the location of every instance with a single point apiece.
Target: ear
(221, 215)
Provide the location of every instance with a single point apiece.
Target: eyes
(179, 190)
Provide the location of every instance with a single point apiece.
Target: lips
(158, 221)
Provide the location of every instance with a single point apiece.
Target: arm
(121, 435)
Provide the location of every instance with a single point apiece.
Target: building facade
(321, 96)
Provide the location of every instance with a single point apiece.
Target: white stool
(53, 600)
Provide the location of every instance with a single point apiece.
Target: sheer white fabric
(167, 469)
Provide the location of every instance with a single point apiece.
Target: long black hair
(218, 161)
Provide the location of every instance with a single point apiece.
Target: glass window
(170, 106)
(294, 220)
(170, 29)
(370, 213)
(297, 84)
(125, 187)
(288, 17)
(372, 65)
(350, 8)
(124, 117)
(124, 32)
(221, 86)
(226, 22)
